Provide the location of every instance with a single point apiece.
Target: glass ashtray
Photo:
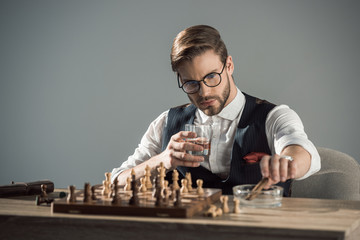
(267, 198)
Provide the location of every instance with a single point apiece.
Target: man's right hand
(175, 153)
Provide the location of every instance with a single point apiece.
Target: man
(251, 137)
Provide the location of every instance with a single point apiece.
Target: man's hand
(280, 169)
(175, 153)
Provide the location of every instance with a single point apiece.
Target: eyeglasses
(192, 86)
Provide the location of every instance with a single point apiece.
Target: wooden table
(297, 218)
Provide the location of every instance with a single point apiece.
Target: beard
(222, 99)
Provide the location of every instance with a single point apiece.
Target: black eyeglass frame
(198, 82)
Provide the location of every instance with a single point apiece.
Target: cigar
(257, 189)
(24, 189)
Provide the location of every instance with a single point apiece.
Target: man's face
(210, 100)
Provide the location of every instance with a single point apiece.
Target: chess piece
(106, 185)
(128, 184)
(211, 212)
(175, 179)
(108, 178)
(224, 201)
(158, 196)
(199, 190)
(147, 177)
(142, 187)
(172, 193)
(166, 184)
(93, 195)
(71, 197)
(219, 212)
(43, 193)
(105, 190)
(177, 202)
(156, 185)
(236, 206)
(87, 193)
(162, 174)
(184, 188)
(134, 200)
(166, 197)
(111, 191)
(115, 189)
(43, 197)
(189, 181)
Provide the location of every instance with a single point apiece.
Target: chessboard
(191, 204)
(153, 200)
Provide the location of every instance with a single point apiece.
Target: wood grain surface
(297, 218)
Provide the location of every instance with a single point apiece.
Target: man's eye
(211, 76)
(191, 83)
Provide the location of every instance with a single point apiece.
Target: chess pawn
(71, 197)
(199, 190)
(184, 188)
(142, 187)
(236, 206)
(175, 178)
(128, 184)
(111, 191)
(105, 190)
(166, 199)
(224, 201)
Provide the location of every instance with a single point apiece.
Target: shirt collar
(230, 112)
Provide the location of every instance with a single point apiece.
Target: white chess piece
(184, 188)
(236, 206)
(224, 200)
(199, 190)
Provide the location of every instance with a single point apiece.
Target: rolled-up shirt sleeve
(283, 128)
(150, 145)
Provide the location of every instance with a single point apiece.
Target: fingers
(185, 146)
(277, 169)
(186, 157)
(178, 150)
(181, 135)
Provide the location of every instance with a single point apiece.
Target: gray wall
(81, 80)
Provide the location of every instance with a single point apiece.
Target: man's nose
(204, 90)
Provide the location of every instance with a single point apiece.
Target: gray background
(81, 80)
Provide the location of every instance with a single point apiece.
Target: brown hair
(194, 41)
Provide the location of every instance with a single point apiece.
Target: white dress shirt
(283, 128)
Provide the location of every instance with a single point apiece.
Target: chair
(338, 178)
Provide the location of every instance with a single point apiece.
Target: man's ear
(229, 65)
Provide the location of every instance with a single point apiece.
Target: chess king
(251, 138)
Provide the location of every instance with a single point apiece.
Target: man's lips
(207, 103)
